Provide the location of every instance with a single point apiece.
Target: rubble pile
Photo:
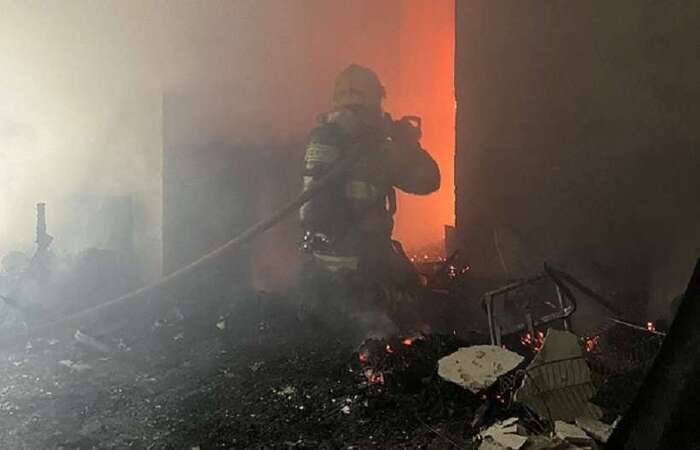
(268, 378)
(258, 372)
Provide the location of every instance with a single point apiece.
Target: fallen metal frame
(565, 296)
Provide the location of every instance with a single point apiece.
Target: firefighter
(353, 259)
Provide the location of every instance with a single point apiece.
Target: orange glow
(410, 44)
(363, 356)
(426, 88)
(591, 343)
(535, 342)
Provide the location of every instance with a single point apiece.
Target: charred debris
(258, 371)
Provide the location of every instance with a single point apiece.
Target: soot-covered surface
(255, 375)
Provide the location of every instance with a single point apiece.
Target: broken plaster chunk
(572, 434)
(596, 429)
(478, 367)
(502, 435)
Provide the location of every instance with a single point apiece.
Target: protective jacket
(350, 223)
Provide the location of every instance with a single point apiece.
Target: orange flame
(425, 87)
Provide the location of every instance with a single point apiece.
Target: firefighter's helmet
(358, 86)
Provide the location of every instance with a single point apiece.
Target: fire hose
(132, 299)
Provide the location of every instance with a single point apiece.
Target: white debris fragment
(478, 367)
(254, 367)
(596, 429)
(286, 391)
(91, 342)
(502, 435)
(77, 366)
(179, 337)
(345, 409)
(571, 433)
(221, 324)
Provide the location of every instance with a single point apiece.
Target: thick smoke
(79, 118)
(83, 83)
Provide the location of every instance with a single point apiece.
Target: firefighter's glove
(407, 130)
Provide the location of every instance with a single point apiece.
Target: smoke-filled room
(349, 224)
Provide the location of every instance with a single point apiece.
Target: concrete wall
(577, 140)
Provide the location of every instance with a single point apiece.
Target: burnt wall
(577, 139)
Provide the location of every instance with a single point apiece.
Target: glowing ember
(377, 378)
(651, 327)
(374, 377)
(363, 356)
(591, 343)
(534, 342)
(410, 340)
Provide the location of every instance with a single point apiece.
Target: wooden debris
(596, 429)
(572, 434)
(557, 384)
